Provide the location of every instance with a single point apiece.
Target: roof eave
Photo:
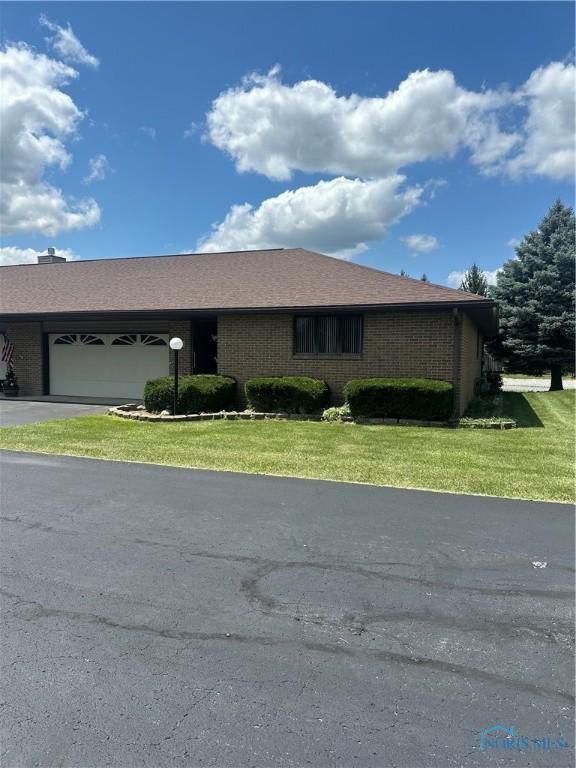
(488, 303)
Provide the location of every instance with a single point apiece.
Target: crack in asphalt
(267, 566)
(38, 526)
(41, 611)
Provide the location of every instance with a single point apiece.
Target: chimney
(50, 257)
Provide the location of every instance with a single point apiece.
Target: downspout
(456, 346)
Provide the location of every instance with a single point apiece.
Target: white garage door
(106, 364)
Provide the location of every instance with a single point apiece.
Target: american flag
(8, 353)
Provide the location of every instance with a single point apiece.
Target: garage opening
(106, 364)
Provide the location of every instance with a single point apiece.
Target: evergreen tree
(403, 273)
(424, 278)
(474, 281)
(536, 296)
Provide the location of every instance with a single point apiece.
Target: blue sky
(423, 173)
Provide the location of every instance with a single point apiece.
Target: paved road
(533, 385)
(167, 617)
(14, 412)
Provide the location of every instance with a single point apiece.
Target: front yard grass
(535, 461)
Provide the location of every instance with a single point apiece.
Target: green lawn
(535, 461)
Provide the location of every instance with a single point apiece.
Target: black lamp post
(176, 345)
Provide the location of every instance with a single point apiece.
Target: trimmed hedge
(287, 394)
(424, 399)
(196, 394)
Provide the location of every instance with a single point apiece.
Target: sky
(406, 136)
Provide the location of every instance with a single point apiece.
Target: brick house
(100, 328)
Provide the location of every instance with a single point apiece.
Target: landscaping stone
(369, 420)
(139, 413)
(486, 423)
(416, 423)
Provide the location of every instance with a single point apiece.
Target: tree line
(535, 295)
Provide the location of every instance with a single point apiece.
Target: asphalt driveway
(13, 412)
(169, 617)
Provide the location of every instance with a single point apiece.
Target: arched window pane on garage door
(67, 338)
(128, 338)
(88, 338)
(152, 341)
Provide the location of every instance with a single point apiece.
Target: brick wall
(470, 361)
(182, 329)
(27, 340)
(395, 344)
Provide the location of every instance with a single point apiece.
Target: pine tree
(474, 281)
(424, 278)
(536, 296)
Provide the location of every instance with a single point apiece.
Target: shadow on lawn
(517, 407)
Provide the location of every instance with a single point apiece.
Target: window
(68, 338)
(128, 338)
(152, 341)
(88, 338)
(328, 334)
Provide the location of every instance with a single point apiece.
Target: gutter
(249, 310)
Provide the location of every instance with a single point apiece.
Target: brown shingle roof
(283, 278)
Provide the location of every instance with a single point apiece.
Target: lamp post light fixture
(176, 345)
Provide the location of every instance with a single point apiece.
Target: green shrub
(196, 394)
(424, 399)
(337, 413)
(484, 406)
(494, 381)
(287, 394)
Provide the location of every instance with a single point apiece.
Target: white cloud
(544, 144)
(99, 167)
(149, 131)
(455, 278)
(13, 255)
(491, 275)
(513, 242)
(65, 43)
(191, 131)
(339, 217)
(488, 144)
(275, 129)
(37, 118)
(548, 149)
(421, 243)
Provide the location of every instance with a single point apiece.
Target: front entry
(205, 334)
